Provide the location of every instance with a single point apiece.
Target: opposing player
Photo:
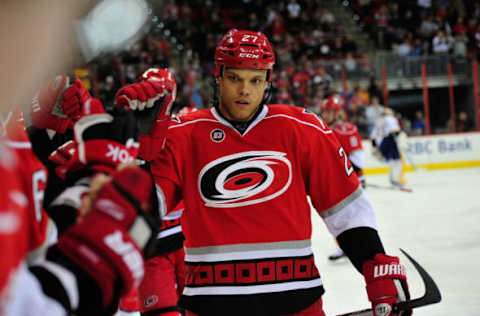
(244, 169)
(349, 137)
(158, 294)
(384, 136)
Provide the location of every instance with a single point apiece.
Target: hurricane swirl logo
(245, 178)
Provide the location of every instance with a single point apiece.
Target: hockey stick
(432, 294)
(386, 187)
(409, 160)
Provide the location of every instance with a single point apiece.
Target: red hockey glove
(104, 140)
(57, 105)
(141, 95)
(74, 98)
(61, 156)
(386, 284)
(107, 243)
(151, 99)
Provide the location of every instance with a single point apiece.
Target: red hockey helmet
(332, 103)
(244, 49)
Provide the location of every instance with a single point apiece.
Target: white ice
(438, 225)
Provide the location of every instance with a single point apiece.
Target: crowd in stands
(422, 27)
(305, 35)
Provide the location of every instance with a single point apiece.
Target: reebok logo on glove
(388, 269)
(118, 154)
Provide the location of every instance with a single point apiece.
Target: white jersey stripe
(299, 121)
(246, 255)
(19, 145)
(191, 122)
(169, 232)
(251, 289)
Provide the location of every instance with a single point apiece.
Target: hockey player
(383, 137)
(346, 133)
(348, 136)
(94, 261)
(33, 178)
(244, 169)
(158, 294)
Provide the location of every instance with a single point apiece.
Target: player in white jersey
(244, 169)
(384, 135)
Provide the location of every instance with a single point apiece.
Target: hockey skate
(400, 186)
(338, 254)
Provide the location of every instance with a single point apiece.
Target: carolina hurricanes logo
(245, 178)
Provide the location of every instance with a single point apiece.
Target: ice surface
(438, 225)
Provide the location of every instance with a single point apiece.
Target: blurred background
(418, 57)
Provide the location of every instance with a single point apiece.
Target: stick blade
(432, 293)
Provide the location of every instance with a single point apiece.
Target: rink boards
(432, 152)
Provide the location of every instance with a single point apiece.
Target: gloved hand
(61, 156)
(104, 140)
(57, 105)
(74, 98)
(151, 99)
(106, 243)
(386, 284)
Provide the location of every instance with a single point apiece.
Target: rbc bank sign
(438, 145)
(434, 150)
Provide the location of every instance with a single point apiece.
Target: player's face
(241, 92)
(329, 116)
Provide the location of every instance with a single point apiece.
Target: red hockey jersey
(348, 135)
(14, 218)
(247, 219)
(33, 176)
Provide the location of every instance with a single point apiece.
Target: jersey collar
(252, 124)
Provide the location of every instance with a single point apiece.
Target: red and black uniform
(247, 219)
(349, 137)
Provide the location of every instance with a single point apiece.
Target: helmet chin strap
(267, 95)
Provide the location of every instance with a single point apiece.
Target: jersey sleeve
(167, 175)
(330, 179)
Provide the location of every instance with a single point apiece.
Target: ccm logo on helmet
(245, 178)
(248, 55)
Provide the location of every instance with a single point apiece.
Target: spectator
(428, 28)
(356, 115)
(441, 44)
(363, 94)
(283, 97)
(425, 6)
(459, 28)
(464, 123)
(460, 46)
(107, 91)
(381, 22)
(350, 62)
(404, 48)
(294, 12)
(418, 124)
(416, 48)
(372, 113)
